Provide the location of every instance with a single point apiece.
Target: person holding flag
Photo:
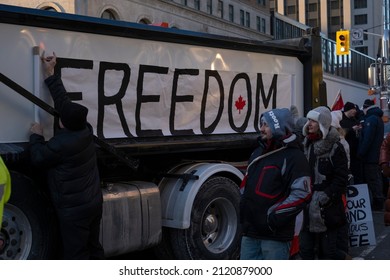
(338, 103)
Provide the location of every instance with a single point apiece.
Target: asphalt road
(380, 251)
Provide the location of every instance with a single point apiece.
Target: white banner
(145, 88)
(127, 100)
(359, 216)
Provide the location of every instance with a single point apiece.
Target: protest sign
(359, 216)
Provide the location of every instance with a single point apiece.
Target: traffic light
(342, 42)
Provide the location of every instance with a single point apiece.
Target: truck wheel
(27, 223)
(214, 230)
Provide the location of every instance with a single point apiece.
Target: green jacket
(5, 187)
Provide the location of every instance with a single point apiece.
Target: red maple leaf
(240, 104)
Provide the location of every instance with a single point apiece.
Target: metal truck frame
(176, 116)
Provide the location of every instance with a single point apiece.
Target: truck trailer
(175, 115)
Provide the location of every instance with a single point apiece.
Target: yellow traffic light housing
(342, 42)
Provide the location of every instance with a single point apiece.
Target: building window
(362, 50)
(313, 7)
(261, 2)
(291, 10)
(242, 17)
(335, 20)
(260, 24)
(247, 19)
(108, 14)
(335, 5)
(51, 9)
(312, 22)
(263, 25)
(360, 4)
(184, 2)
(210, 7)
(360, 19)
(231, 13)
(145, 21)
(220, 8)
(197, 4)
(365, 35)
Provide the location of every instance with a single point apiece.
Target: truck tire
(214, 231)
(27, 223)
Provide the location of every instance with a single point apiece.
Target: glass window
(247, 19)
(312, 22)
(362, 50)
(210, 7)
(365, 35)
(335, 5)
(263, 25)
(197, 4)
(184, 2)
(242, 17)
(108, 14)
(360, 4)
(361, 19)
(335, 20)
(258, 23)
(291, 10)
(51, 9)
(145, 21)
(231, 13)
(313, 7)
(220, 8)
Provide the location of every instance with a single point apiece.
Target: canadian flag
(338, 103)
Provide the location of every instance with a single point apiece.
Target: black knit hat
(368, 103)
(74, 116)
(349, 106)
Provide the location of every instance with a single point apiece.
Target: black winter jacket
(275, 190)
(70, 158)
(371, 136)
(329, 164)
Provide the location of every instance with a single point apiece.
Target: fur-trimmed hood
(323, 146)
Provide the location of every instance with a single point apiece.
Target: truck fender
(177, 201)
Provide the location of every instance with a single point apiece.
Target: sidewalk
(381, 251)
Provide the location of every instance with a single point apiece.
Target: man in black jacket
(275, 189)
(73, 177)
(351, 124)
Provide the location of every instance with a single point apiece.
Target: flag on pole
(338, 103)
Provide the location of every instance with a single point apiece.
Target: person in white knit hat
(329, 173)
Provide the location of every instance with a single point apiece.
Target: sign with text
(357, 37)
(359, 216)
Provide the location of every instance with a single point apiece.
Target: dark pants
(373, 178)
(321, 245)
(80, 236)
(356, 167)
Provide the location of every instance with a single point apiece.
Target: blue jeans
(261, 249)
